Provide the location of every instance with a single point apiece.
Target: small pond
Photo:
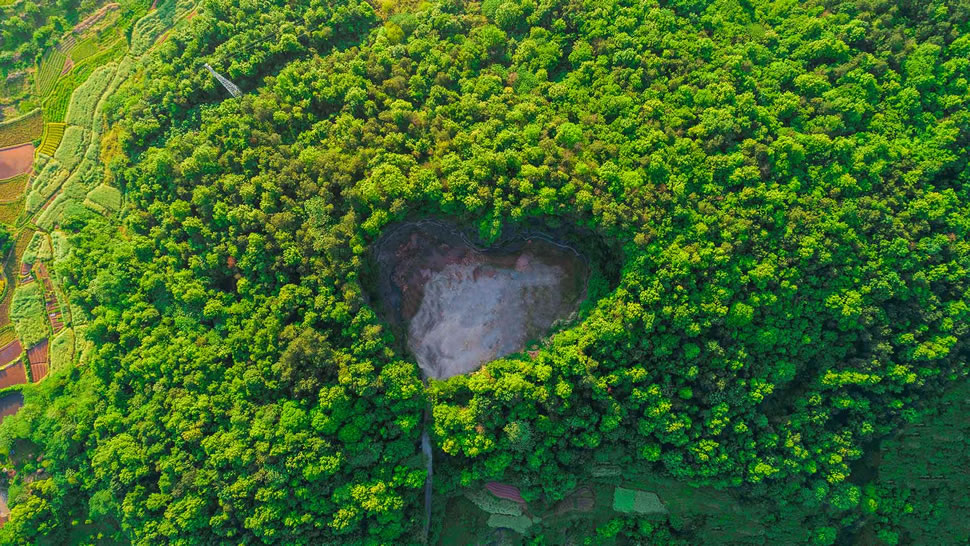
(10, 403)
(460, 306)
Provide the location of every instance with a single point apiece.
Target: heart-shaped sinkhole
(461, 306)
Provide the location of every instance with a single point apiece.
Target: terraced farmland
(49, 70)
(53, 134)
(23, 129)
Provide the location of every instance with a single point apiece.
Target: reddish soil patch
(13, 375)
(16, 160)
(68, 65)
(37, 355)
(505, 491)
(10, 352)
(38, 371)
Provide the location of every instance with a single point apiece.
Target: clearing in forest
(636, 501)
(463, 306)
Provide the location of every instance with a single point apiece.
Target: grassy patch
(26, 128)
(62, 349)
(48, 71)
(519, 524)
(8, 334)
(151, 26)
(13, 188)
(62, 247)
(462, 522)
(53, 134)
(641, 502)
(105, 198)
(623, 499)
(39, 248)
(85, 98)
(56, 171)
(66, 311)
(45, 184)
(84, 49)
(28, 313)
(9, 212)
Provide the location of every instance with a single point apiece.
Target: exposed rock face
(462, 307)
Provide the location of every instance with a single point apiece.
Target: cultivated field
(49, 70)
(23, 129)
(16, 160)
(52, 138)
(12, 188)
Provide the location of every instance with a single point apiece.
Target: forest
(774, 197)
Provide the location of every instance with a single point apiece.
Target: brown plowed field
(13, 375)
(37, 355)
(10, 352)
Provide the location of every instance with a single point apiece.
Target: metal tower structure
(231, 87)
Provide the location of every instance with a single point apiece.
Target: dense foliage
(29, 29)
(788, 183)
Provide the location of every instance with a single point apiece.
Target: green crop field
(47, 181)
(106, 198)
(62, 349)
(53, 133)
(39, 248)
(10, 211)
(84, 49)
(49, 71)
(85, 98)
(71, 150)
(28, 314)
(22, 129)
(7, 332)
(56, 105)
(13, 188)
